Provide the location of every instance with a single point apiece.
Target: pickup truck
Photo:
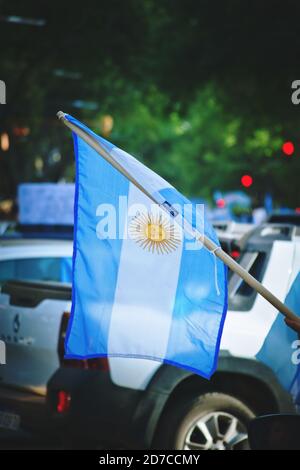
(140, 403)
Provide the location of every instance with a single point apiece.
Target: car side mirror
(275, 432)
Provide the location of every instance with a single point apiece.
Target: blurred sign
(2, 92)
(237, 198)
(46, 203)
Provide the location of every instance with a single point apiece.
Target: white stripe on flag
(144, 296)
(146, 177)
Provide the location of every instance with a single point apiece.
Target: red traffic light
(288, 148)
(246, 181)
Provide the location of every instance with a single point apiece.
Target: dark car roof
(289, 218)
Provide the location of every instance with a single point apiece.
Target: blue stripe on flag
(277, 350)
(95, 261)
(108, 145)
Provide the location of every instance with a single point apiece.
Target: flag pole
(209, 244)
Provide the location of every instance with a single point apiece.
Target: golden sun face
(154, 233)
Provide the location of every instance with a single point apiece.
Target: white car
(134, 402)
(29, 326)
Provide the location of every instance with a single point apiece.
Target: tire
(213, 421)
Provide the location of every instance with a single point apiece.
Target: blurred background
(198, 90)
(205, 93)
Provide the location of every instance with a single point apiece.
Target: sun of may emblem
(154, 233)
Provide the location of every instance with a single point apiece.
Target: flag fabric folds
(286, 362)
(142, 287)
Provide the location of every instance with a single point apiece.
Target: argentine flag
(280, 350)
(142, 287)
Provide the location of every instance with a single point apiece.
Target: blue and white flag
(281, 348)
(142, 287)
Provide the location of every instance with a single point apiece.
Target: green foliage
(193, 92)
(202, 147)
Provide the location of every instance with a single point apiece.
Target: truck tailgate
(30, 319)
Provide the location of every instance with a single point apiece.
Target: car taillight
(97, 363)
(63, 401)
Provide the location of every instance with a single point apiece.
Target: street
(21, 440)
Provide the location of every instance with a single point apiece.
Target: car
(288, 217)
(232, 236)
(29, 326)
(146, 404)
(137, 403)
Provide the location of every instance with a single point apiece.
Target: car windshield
(240, 295)
(52, 269)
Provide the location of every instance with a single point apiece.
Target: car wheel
(213, 421)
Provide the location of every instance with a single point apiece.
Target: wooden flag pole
(209, 244)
